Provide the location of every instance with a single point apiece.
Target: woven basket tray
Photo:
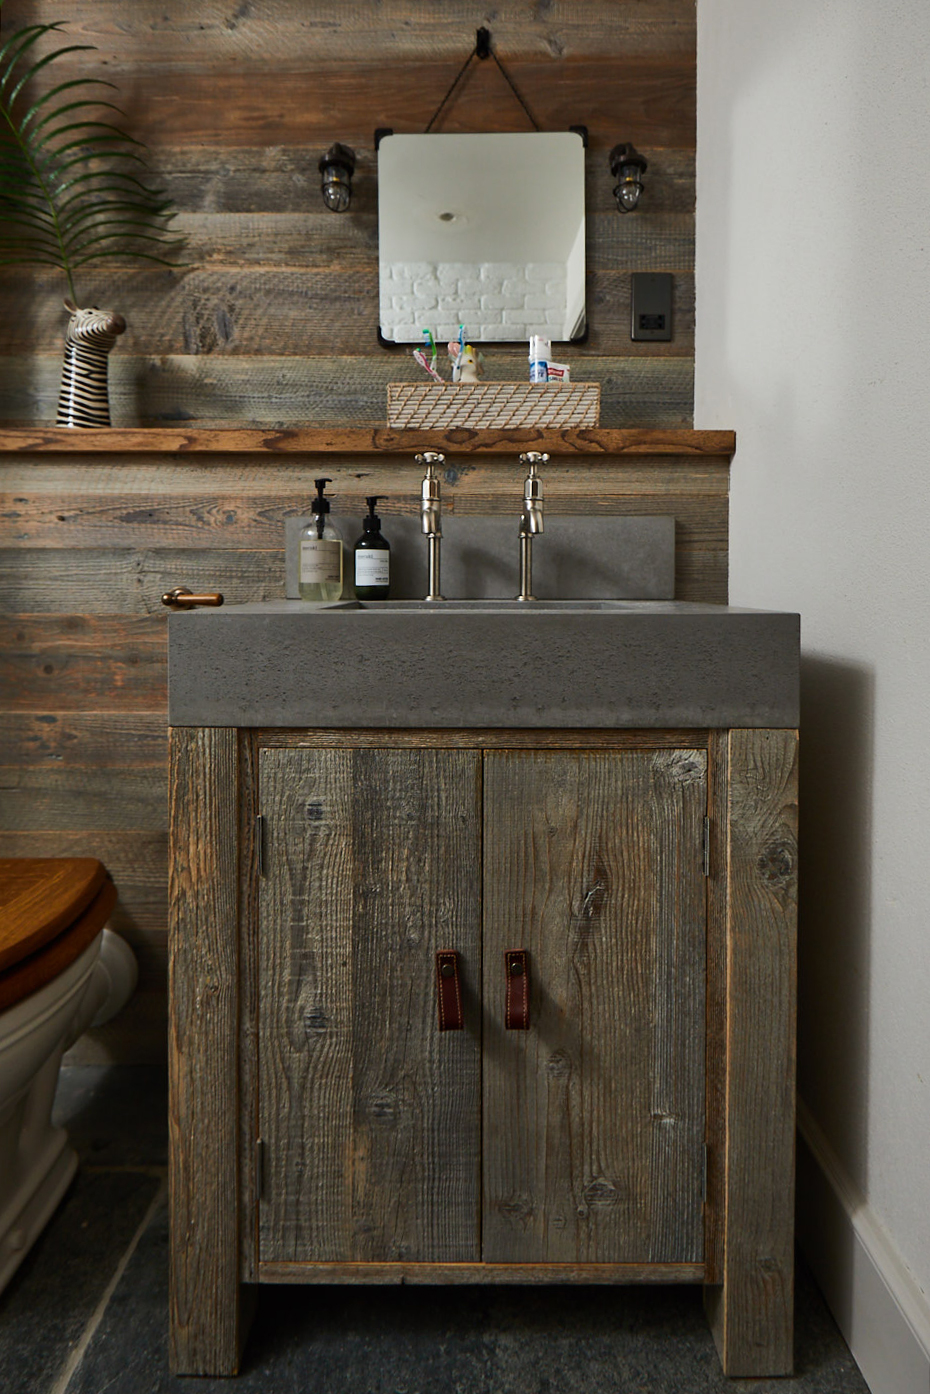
(496, 405)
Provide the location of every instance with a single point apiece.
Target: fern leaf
(72, 180)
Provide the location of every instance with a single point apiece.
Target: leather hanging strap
(451, 1016)
(517, 968)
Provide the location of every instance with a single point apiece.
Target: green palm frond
(72, 180)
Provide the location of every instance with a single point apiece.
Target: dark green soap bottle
(372, 557)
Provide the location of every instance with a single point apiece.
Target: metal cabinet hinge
(706, 846)
(704, 1171)
(259, 836)
(259, 1167)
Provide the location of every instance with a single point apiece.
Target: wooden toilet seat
(51, 908)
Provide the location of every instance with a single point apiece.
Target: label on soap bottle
(372, 568)
(320, 560)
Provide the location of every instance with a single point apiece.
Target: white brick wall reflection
(508, 300)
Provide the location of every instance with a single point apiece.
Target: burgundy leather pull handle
(517, 967)
(451, 1017)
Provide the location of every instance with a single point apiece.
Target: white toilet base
(36, 1160)
(31, 1207)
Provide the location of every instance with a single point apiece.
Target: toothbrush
(434, 352)
(420, 357)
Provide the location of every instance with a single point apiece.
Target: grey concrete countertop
(613, 664)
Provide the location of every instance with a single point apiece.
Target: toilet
(61, 971)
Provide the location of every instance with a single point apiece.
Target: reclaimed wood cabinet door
(578, 1140)
(594, 1116)
(370, 1117)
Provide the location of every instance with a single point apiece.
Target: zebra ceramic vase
(90, 336)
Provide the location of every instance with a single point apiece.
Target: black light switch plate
(652, 305)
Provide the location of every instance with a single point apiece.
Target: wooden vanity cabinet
(325, 1130)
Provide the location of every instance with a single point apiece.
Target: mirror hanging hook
(482, 49)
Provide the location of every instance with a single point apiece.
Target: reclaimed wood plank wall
(274, 316)
(273, 320)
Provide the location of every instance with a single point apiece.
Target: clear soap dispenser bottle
(320, 552)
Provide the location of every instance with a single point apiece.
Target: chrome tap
(431, 515)
(531, 520)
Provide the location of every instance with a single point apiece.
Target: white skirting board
(882, 1313)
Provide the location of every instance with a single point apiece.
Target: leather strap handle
(448, 982)
(517, 968)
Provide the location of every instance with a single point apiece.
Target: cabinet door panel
(594, 1117)
(369, 1114)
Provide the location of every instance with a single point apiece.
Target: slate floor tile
(50, 1298)
(349, 1340)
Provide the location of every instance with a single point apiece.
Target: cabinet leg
(752, 1311)
(752, 1323)
(206, 1309)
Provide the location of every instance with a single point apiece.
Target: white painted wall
(813, 342)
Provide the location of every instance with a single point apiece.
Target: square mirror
(487, 231)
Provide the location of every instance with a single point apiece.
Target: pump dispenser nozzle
(372, 523)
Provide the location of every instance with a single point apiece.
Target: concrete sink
(484, 663)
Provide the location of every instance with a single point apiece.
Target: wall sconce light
(336, 169)
(627, 165)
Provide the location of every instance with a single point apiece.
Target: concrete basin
(409, 663)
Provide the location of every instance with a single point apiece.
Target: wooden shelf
(52, 440)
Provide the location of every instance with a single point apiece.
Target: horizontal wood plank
(307, 102)
(84, 663)
(268, 33)
(226, 518)
(40, 581)
(528, 1273)
(308, 311)
(282, 179)
(94, 740)
(477, 738)
(118, 582)
(587, 443)
(46, 797)
(314, 240)
(272, 393)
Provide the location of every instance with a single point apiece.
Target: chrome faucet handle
(431, 493)
(431, 515)
(531, 520)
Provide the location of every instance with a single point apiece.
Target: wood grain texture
(317, 311)
(718, 746)
(282, 392)
(76, 740)
(154, 33)
(113, 581)
(530, 1274)
(41, 897)
(138, 864)
(182, 517)
(348, 440)
(71, 663)
(306, 240)
(752, 1312)
(476, 738)
(370, 1116)
(596, 1114)
(205, 1335)
(45, 798)
(276, 180)
(651, 100)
